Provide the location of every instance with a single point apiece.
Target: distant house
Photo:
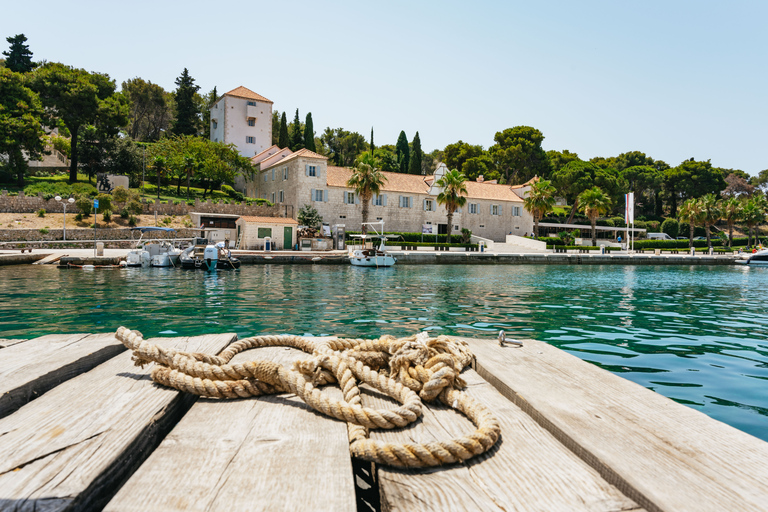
(243, 118)
(256, 231)
(406, 202)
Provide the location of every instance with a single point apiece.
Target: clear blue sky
(675, 79)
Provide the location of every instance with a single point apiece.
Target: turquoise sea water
(698, 335)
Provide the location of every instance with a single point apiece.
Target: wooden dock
(82, 428)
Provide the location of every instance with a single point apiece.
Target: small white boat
(368, 255)
(153, 253)
(758, 259)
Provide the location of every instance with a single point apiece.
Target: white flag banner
(629, 208)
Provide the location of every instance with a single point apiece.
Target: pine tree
(295, 136)
(187, 113)
(19, 57)
(403, 152)
(282, 140)
(309, 133)
(416, 156)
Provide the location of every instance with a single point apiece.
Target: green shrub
(105, 202)
(671, 227)
(234, 194)
(41, 212)
(84, 189)
(134, 207)
(120, 194)
(83, 203)
(132, 221)
(45, 230)
(618, 222)
(124, 213)
(79, 217)
(107, 215)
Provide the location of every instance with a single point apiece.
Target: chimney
(480, 179)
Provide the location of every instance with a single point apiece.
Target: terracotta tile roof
(269, 220)
(268, 160)
(491, 191)
(416, 184)
(305, 153)
(243, 92)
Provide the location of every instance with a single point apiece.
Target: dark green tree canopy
(295, 137)
(79, 98)
(150, 109)
(343, 147)
(187, 116)
(20, 126)
(518, 154)
(309, 133)
(558, 159)
(454, 156)
(282, 138)
(19, 58)
(403, 152)
(416, 156)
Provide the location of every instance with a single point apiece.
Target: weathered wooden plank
(73, 447)
(29, 369)
(266, 453)
(527, 470)
(664, 455)
(4, 343)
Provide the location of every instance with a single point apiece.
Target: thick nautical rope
(408, 370)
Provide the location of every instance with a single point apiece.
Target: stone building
(406, 201)
(243, 118)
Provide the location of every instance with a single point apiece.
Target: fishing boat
(758, 259)
(204, 255)
(153, 253)
(368, 255)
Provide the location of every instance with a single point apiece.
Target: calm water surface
(698, 335)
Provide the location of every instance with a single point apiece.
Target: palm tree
(453, 195)
(710, 214)
(594, 202)
(540, 200)
(690, 212)
(160, 167)
(752, 215)
(731, 209)
(189, 168)
(367, 180)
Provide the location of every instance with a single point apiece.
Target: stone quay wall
(112, 237)
(29, 204)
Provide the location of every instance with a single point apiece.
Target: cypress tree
(373, 148)
(19, 57)
(282, 140)
(187, 114)
(403, 152)
(309, 133)
(294, 133)
(416, 156)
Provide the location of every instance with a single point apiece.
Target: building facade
(406, 202)
(243, 118)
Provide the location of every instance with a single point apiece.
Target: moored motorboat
(759, 258)
(368, 255)
(206, 256)
(154, 253)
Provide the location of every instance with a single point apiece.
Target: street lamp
(70, 200)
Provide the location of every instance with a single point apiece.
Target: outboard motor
(211, 256)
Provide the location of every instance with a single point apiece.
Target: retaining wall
(29, 204)
(118, 237)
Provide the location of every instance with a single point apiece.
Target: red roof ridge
(244, 92)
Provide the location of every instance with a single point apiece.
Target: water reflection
(698, 335)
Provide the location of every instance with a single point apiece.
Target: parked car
(658, 236)
(682, 238)
(700, 238)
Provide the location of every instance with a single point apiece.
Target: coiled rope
(410, 370)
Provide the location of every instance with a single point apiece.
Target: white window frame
(319, 195)
(473, 207)
(379, 200)
(250, 139)
(349, 197)
(516, 211)
(495, 209)
(251, 121)
(406, 202)
(429, 205)
(251, 103)
(312, 171)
